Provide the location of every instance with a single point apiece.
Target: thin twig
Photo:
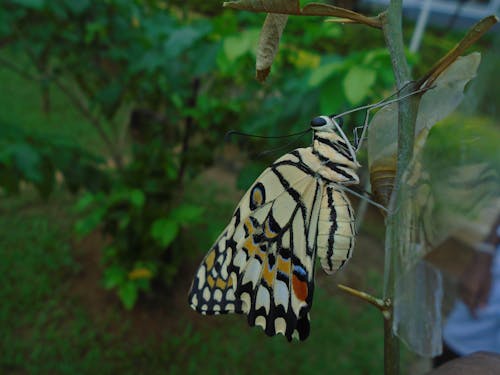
(377, 302)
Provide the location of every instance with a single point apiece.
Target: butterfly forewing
(262, 265)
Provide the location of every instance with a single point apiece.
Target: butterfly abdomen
(336, 230)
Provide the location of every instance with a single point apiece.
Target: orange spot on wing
(257, 197)
(249, 226)
(209, 260)
(261, 254)
(220, 283)
(268, 232)
(299, 288)
(250, 246)
(210, 281)
(284, 265)
(268, 274)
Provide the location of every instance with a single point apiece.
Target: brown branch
(311, 9)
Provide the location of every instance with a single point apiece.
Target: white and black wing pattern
(262, 265)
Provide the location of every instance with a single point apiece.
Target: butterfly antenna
(230, 133)
(292, 142)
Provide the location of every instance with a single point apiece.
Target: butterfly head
(333, 124)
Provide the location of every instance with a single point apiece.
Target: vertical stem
(407, 114)
(393, 34)
(391, 343)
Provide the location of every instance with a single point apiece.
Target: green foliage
(119, 55)
(34, 159)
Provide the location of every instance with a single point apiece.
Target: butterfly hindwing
(280, 286)
(262, 264)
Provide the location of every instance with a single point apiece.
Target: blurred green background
(115, 178)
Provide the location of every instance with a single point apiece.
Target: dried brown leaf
(292, 7)
(267, 6)
(269, 43)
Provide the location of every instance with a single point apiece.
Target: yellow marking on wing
(284, 265)
(268, 274)
(250, 246)
(220, 283)
(230, 282)
(257, 197)
(210, 281)
(268, 232)
(209, 261)
(261, 254)
(249, 226)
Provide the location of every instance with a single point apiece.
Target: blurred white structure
(445, 13)
(442, 11)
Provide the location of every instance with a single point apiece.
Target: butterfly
(262, 264)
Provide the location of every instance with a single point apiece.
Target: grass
(46, 329)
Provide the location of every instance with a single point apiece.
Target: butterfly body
(262, 264)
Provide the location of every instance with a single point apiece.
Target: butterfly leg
(362, 196)
(382, 103)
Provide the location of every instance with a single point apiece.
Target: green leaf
(114, 276)
(84, 202)
(357, 83)
(109, 98)
(238, 45)
(183, 38)
(34, 4)
(128, 294)
(186, 213)
(324, 72)
(90, 222)
(204, 59)
(137, 198)
(28, 160)
(77, 6)
(234, 47)
(171, 170)
(164, 231)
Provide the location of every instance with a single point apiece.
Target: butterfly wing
(262, 265)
